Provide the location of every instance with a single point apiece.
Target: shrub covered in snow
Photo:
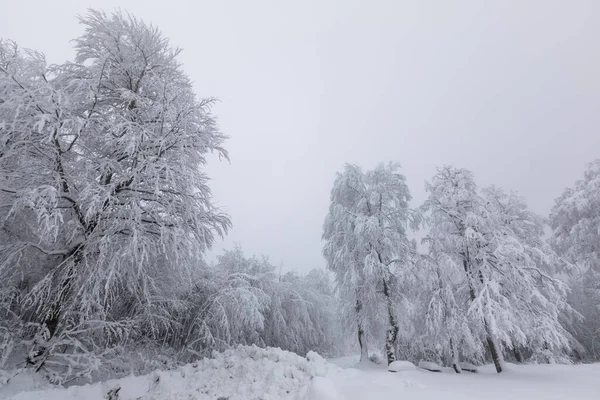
(376, 358)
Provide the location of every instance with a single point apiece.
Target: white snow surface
(251, 373)
(401, 366)
(519, 382)
(243, 373)
(468, 366)
(431, 366)
(320, 388)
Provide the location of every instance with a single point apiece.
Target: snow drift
(242, 373)
(400, 365)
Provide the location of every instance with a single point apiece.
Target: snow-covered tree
(496, 243)
(101, 163)
(365, 240)
(527, 269)
(451, 206)
(447, 324)
(243, 300)
(586, 330)
(575, 220)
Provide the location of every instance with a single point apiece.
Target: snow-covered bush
(376, 357)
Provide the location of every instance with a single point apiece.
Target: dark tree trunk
(454, 354)
(53, 319)
(518, 355)
(493, 350)
(496, 358)
(364, 351)
(392, 332)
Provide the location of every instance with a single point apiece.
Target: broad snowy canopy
(507, 292)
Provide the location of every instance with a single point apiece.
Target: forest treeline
(106, 216)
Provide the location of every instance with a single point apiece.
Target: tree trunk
(364, 350)
(496, 356)
(390, 343)
(454, 354)
(494, 351)
(518, 355)
(392, 332)
(362, 340)
(51, 322)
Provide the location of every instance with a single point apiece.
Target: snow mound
(430, 366)
(398, 366)
(465, 366)
(237, 374)
(321, 388)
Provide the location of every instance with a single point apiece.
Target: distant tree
(497, 244)
(101, 163)
(575, 220)
(365, 240)
(586, 330)
(243, 300)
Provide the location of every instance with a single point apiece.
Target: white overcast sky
(508, 89)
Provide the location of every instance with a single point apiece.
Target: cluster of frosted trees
(484, 284)
(105, 215)
(254, 304)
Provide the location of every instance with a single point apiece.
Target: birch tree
(527, 269)
(365, 240)
(491, 236)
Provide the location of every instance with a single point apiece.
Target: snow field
(430, 366)
(252, 373)
(518, 382)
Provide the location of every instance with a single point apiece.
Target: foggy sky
(508, 89)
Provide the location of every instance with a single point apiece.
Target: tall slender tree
(365, 240)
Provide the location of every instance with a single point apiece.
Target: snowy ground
(249, 373)
(530, 382)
